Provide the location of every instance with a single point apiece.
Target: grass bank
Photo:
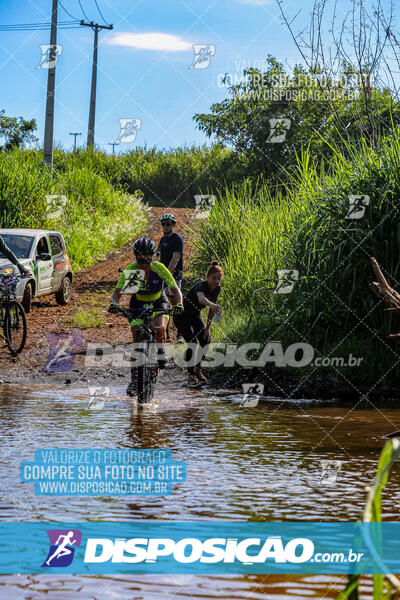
(96, 218)
(330, 307)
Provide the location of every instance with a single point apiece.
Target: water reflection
(259, 464)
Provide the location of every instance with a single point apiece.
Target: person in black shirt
(5, 251)
(170, 251)
(190, 323)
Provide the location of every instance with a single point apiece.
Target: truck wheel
(63, 295)
(27, 298)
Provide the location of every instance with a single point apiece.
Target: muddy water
(261, 463)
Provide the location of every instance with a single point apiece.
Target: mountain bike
(12, 315)
(146, 350)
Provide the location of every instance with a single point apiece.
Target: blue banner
(197, 547)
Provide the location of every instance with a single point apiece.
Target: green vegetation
(97, 217)
(341, 108)
(97, 298)
(87, 318)
(385, 587)
(15, 132)
(280, 206)
(254, 234)
(164, 178)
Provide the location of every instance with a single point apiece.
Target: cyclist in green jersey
(146, 281)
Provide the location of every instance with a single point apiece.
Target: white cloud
(164, 42)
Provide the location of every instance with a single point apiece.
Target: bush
(331, 307)
(165, 178)
(96, 219)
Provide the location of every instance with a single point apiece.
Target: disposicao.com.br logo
(149, 547)
(191, 550)
(248, 551)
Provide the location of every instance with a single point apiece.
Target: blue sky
(144, 63)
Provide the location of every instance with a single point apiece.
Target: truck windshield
(19, 244)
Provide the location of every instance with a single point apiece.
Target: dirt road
(48, 322)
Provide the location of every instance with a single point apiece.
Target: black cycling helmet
(144, 245)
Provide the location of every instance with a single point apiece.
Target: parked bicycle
(12, 315)
(145, 350)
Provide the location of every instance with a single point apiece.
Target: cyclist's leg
(160, 323)
(131, 386)
(134, 304)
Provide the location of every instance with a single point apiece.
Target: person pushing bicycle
(147, 280)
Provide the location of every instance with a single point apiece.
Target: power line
(101, 14)
(113, 144)
(85, 15)
(26, 24)
(38, 26)
(75, 134)
(68, 13)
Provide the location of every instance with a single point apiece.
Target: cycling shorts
(161, 304)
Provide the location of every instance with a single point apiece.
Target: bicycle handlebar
(139, 313)
(10, 280)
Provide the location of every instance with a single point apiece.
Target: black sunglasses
(166, 222)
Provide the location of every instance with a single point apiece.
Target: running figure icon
(61, 551)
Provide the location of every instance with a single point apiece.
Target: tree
(360, 35)
(270, 116)
(16, 131)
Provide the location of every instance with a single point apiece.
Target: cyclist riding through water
(148, 279)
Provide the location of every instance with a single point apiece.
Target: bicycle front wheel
(147, 375)
(15, 328)
(147, 372)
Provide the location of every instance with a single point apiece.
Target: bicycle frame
(12, 315)
(146, 374)
(8, 284)
(146, 314)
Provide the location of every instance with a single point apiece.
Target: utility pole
(51, 85)
(113, 144)
(75, 134)
(96, 27)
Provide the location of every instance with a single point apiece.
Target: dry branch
(382, 289)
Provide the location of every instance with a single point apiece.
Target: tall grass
(247, 231)
(164, 177)
(385, 587)
(96, 219)
(254, 233)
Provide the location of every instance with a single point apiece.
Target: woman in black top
(190, 323)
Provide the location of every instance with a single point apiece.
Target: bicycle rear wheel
(15, 328)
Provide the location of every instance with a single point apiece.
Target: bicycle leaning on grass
(12, 315)
(145, 351)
